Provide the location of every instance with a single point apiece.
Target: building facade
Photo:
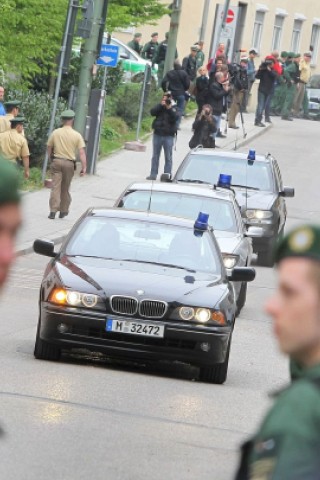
(291, 25)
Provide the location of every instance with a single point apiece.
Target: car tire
(242, 297)
(217, 373)
(44, 350)
(266, 258)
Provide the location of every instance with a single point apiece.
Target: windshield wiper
(188, 180)
(171, 265)
(245, 186)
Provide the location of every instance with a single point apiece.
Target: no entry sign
(230, 16)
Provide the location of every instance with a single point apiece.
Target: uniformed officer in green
(150, 48)
(63, 146)
(14, 145)
(279, 96)
(290, 76)
(287, 445)
(135, 43)
(12, 109)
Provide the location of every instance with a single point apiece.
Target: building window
(257, 30)
(314, 43)
(277, 32)
(296, 35)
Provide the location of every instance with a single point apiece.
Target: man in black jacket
(177, 82)
(267, 77)
(217, 96)
(164, 131)
(189, 65)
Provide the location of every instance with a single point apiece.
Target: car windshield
(221, 213)
(145, 242)
(208, 168)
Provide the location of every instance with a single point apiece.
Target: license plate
(132, 327)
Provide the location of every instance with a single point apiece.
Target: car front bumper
(197, 345)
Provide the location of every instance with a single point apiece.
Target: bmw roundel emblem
(140, 292)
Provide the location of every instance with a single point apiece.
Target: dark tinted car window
(221, 213)
(207, 168)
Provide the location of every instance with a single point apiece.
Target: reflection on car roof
(241, 156)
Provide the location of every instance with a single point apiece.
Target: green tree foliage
(30, 34)
(124, 13)
(31, 30)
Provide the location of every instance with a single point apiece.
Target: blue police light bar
(251, 155)
(224, 180)
(202, 221)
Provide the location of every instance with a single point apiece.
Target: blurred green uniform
(287, 446)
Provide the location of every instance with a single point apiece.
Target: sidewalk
(113, 174)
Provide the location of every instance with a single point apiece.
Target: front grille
(152, 309)
(124, 305)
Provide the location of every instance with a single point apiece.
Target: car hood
(228, 241)
(110, 277)
(253, 199)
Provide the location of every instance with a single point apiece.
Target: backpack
(240, 80)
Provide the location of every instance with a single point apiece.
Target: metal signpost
(108, 57)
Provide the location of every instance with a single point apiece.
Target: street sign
(230, 16)
(109, 55)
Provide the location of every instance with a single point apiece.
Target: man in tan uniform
(12, 109)
(305, 74)
(63, 145)
(13, 144)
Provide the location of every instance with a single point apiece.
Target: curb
(245, 141)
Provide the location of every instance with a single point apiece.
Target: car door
(281, 201)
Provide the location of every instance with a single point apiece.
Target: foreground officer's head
(67, 117)
(295, 306)
(10, 216)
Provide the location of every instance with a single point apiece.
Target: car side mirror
(166, 177)
(44, 247)
(254, 232)
(124, 56)
(242, 274)
(287, 192)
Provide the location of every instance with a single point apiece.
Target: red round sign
(230, 16)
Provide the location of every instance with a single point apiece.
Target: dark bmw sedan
(141, 286)
(257, 182)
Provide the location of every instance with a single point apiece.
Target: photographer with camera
(164, 130)
(240, 86)
(267, 76)
(204, 128)
(177, 82)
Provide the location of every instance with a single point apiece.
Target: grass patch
(34, 182)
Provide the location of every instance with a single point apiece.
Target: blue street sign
(109, 55)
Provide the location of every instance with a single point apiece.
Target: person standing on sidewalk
(2, 109)
(10, 217)
(287, 444)
(290, 76)
(135, 43)
(177, 82)
(200, 55)
(202, 85)
(150, 48)
(251, 73)
(305, 74)
(14, 145)
(267, 77)
(164, 131)
(218, 92)
(240, 87)
(189, 65)
(63, 145)
(12, 109)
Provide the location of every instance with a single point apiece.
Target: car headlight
(201, 315)
(60, 296)
(258, 214)
(230, 261)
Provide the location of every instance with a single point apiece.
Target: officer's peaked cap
(303, 241)
(67, 114)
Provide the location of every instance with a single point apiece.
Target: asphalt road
(87, 417)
